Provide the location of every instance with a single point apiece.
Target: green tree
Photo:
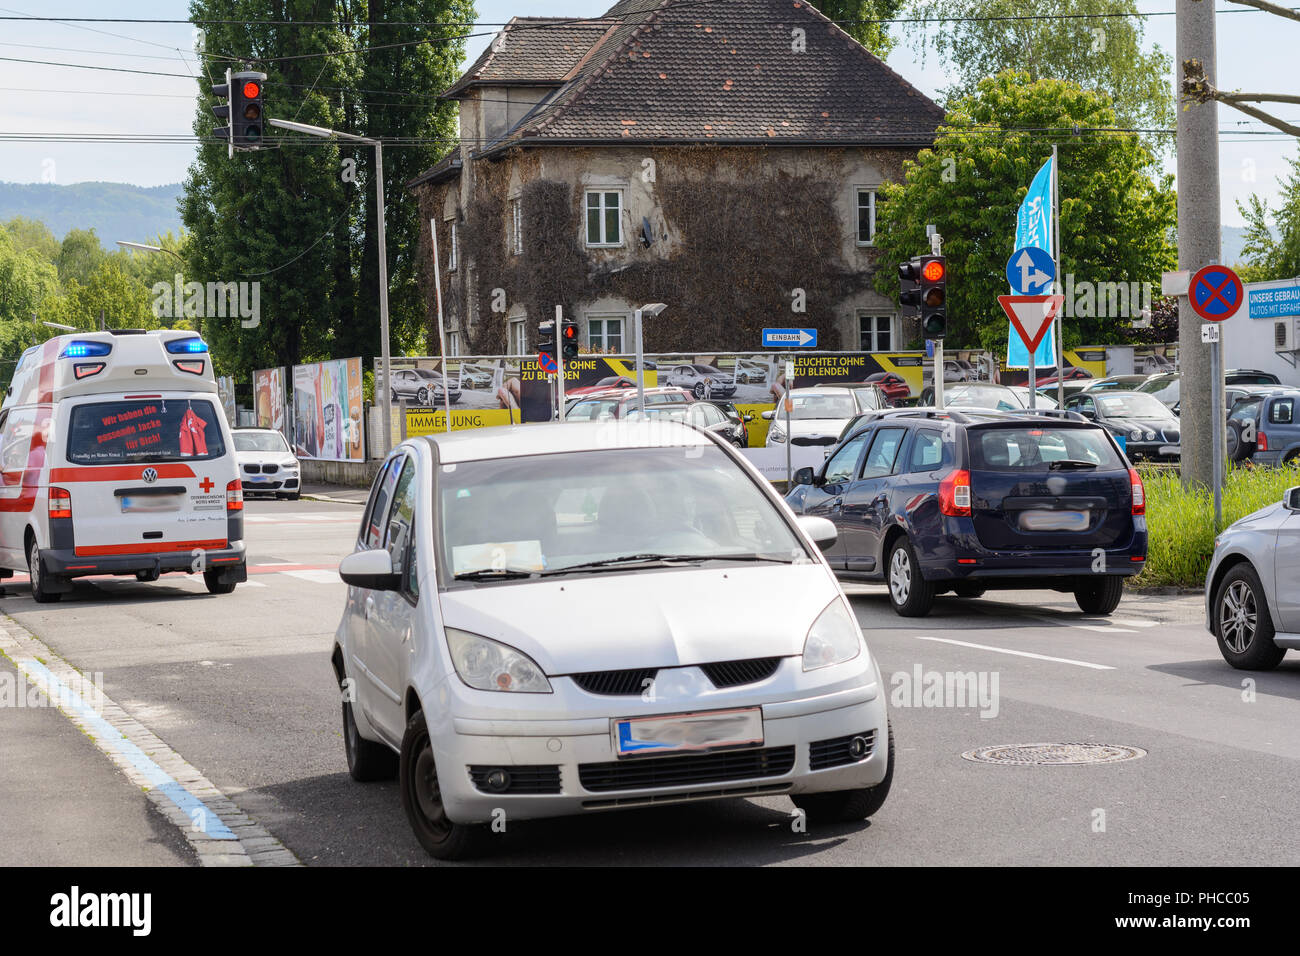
(26, 280)
(855, 16)
(1273, 253)
(1116, 223)
(80, 254)
(1103, 53)
(33, 235)
(122, 300)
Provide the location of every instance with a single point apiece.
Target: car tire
(698, 390)
(39, 578)
(422, 396)
(1100, 596)
(1248, 647)
(422, 799)
(367, 761)
(969, 590)
(848, 806)
(909, 592)
(216, 583)
(393, 393)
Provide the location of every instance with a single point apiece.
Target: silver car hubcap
(1237, 616)
(900, 576)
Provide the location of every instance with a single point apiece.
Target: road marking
(211, 822)
(1007, 650)
(1134, 622)
(1068, 622)
(316, 576)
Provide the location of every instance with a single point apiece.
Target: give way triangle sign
(1031, 315)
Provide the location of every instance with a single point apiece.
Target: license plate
(1055, 520)
(682, 733)
(150, 503)
(256, 478)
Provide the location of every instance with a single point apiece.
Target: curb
(337, 501)
(218, 831)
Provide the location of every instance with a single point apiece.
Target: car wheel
(969, 590)
(909, 592)
(1292, 460)
(422, 799)
(367, 760)
(422, 396)
(1234, 447)
(698, 390)
(393, 392)
(217, 584)
(1100, 596)
(848, 806)
(39, 578)
(1242, 624)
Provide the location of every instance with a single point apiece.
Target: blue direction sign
(784, 338)
(1030, 271)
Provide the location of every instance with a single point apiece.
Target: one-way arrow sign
(781, 338)
(1031, 315)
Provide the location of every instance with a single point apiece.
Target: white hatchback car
(556, 620)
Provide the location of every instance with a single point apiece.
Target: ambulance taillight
(234, 496)
(60, 503)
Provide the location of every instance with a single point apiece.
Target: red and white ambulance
(116, 458)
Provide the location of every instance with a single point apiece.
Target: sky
(1255, 53)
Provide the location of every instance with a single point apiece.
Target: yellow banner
(423, 422)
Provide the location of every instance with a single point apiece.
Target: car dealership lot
(241, 687)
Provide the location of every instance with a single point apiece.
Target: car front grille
(838, 751)
(736, 673)
(803, 440)
(270, 469)
(647, 773)
(1171, 435)
(615, 683)
(526, 779)
(253, 469)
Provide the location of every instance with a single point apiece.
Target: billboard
(482, 390)
(327, 410)
(269, 393)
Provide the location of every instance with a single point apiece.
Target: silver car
(563, 620)
(1252, 590)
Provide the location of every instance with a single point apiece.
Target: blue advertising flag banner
(1034, 228)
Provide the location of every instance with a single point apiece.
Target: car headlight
(291, 463)
(1135, 434)
(1151, 436)
(833, 638)
(776, 434)
(487, 665)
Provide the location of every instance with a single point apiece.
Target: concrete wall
(357, 474)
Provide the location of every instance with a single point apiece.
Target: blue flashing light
(187, 346)
(85, 349)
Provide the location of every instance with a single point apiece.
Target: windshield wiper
(661, 560)
(495, 574)
(1064, 463)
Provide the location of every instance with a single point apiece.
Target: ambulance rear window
(144, 430)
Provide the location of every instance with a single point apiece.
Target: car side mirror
(372, 570)
(1087, 413)
(804, 476)
(768, 416)
(821, 530)
(749, 416)
(1292, 499)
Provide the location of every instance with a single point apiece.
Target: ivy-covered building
(720, 158)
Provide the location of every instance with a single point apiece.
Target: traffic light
(546, 338)
(569, 332)
(242, 109)
(934, 296)
(909, 287)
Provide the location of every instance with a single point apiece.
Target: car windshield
(1033, 447)
(428, 374)
(552, 513)
(260, 441)
(983, 396)
(815, 405)
(1132, 405)
(1155, 385)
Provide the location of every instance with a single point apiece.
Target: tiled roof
(729, 70)
(536, 50)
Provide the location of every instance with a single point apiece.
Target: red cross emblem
(207, 484)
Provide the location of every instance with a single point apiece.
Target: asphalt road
(240, 685)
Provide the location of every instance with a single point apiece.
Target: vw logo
(150, 475)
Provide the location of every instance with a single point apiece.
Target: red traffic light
(933, 271)
(252, 90)
(570, 331)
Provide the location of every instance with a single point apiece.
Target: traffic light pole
(385, 360)
(559, 359)
(938, 373)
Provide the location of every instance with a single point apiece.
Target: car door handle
(369, 606)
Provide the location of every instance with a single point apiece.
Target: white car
(819, 415)
(267, 463)
(549, 621)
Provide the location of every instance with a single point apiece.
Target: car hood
(808, 427)
(1156, 425)
(575, 624)
(262, 457)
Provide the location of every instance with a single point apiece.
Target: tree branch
(1198, 89)
(1270, 8)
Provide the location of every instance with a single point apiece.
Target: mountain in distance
(114, 210)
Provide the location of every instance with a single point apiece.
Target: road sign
(1209, 332)
(1215, 293)
(1031, 315)
(547, 363)
(1030, 271)
(929, 348)
(783, 338)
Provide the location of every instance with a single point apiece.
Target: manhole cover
(1051, 755)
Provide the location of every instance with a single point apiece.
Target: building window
(605, 334)
(516, 227)
(866, 216)
(875, 333)
(516, 338)
(452, 252)
(604, 218)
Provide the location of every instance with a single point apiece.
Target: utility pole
(1199, 240)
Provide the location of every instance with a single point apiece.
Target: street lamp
(651, 310)
(385, 358)
(142, 247)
